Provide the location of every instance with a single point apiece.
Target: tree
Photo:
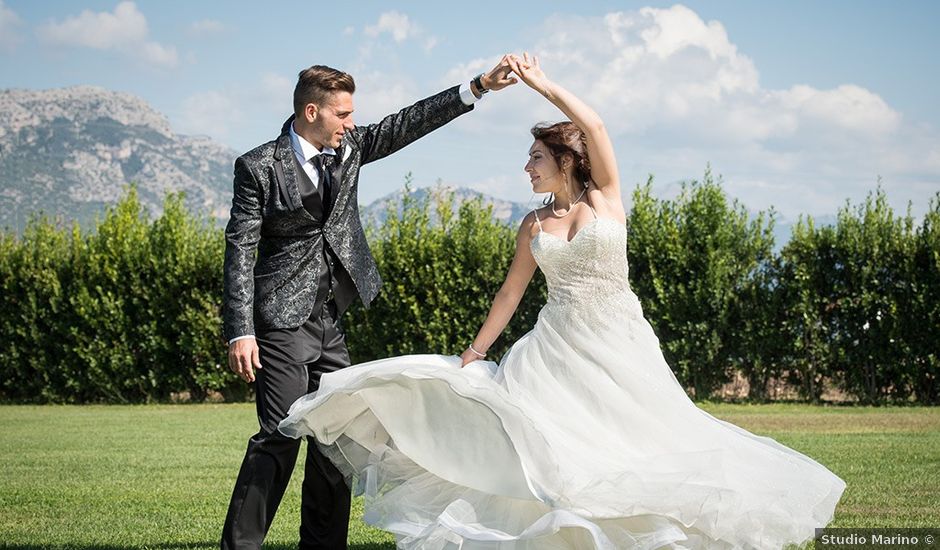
(439, 280)
(691, 258)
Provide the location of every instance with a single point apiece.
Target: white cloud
(124, 30)
(159, 55)
(224, 113)
(277, 88)
(676, 93)
(397, 24)
(379, 93)
(99, 30)
(206, 27)
(400, 28)
(9, 24)
(676, 29)
(847, 106)
(211, 113)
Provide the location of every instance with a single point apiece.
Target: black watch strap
(478, 82)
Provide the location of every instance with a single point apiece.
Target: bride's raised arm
(599, 148)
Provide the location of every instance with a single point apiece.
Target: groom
(295, 204)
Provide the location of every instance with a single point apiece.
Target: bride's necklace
(569, 206)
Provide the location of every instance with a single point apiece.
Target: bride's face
(543, 170)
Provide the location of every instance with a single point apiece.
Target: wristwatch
(478, 82)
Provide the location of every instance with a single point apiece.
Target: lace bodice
(590, 271)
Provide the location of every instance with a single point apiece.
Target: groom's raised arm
(398, 130)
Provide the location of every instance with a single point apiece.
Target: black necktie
(324, 165)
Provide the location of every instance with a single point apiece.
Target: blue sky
(798, 105)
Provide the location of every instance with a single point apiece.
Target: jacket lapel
(284, 169)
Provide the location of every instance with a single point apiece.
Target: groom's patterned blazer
(278, 289)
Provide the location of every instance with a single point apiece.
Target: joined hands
(528, 69)
(498, 77)
(525, 67)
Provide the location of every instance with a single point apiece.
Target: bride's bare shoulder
(531, 223)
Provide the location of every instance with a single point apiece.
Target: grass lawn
(160, 476)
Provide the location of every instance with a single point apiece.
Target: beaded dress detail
(580, 438)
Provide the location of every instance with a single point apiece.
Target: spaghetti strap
(587, 200)
(592, 209)
(537, 220)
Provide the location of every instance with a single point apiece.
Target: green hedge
(439, 280)
(864, 303)
(130, 311)
(127, 313)
(856, 304)
(692, 262)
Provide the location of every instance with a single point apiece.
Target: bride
(581, 437)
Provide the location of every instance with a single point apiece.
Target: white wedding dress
(580, 438)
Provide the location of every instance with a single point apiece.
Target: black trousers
(292, 362)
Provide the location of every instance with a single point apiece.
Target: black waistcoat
(333, 282)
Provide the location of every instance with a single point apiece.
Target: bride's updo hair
(566, 137)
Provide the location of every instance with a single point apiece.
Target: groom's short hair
(315, 83)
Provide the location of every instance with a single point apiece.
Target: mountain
(71, 151)
(506, 211)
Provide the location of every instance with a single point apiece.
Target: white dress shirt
(305, 151)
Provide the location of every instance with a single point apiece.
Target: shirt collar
(303, 148)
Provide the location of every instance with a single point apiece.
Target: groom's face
(333, 119)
